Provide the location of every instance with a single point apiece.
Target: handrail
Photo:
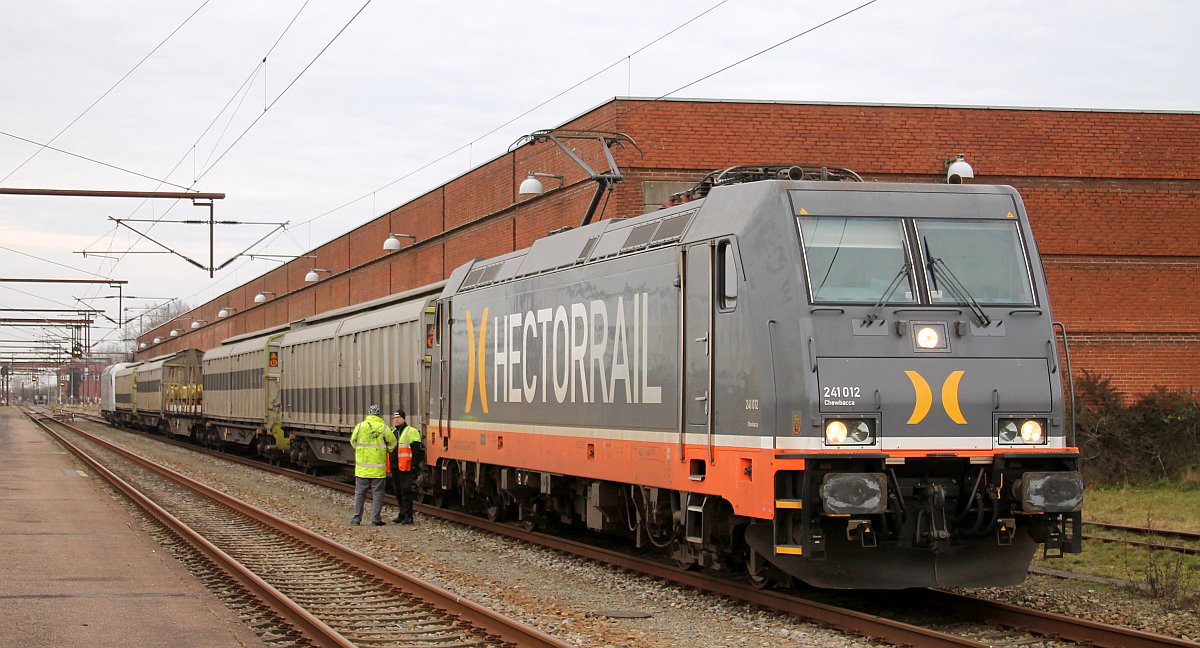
(1070, 374)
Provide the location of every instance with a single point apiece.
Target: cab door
(698, 323)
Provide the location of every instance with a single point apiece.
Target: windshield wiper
(873, 314)
(957, 288)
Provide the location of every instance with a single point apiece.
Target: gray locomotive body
(853, 384)
(856, 385)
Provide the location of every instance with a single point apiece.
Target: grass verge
(1171, 577)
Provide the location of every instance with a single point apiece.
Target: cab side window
(727, 276)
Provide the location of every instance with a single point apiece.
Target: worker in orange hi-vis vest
(403, 465)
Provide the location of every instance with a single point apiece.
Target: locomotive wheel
(493, 508)
(683, 557)
(685, 563)
(761, 580)
(766, 576)
(760, 573)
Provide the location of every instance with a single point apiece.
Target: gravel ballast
(572, 598)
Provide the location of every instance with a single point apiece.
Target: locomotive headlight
(1015, 431)
(1032, 431)
(849, 432)
(836, 432)
(930, 336)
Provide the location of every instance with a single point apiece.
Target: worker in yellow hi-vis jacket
(372, 441)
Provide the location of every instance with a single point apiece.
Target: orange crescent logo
(924, 397)
(475, 361)
(950, 397)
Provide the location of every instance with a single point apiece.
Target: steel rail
(840, 618)
(860, 623)
(490, 622)
(1079, 630)
(1191, 551)
(312, 628)
(1182, 535)
(1011, 616)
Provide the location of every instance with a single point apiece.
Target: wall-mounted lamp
(312, 275)
(957, 168)
(393, 241)
(261, 297)
(226, 311)
(198, 323)
(141, 346)
(531, 184)
(174, 332)
(157, 340)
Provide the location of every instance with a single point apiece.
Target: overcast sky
(407, 84)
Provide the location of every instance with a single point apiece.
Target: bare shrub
(1154, 438)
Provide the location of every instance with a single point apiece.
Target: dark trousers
(402, 488)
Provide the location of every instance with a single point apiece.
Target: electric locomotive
(852, 384)
(110, 396)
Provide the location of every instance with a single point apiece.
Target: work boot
(355, 521)
(378, 522)
(407, 520)
(398, 519)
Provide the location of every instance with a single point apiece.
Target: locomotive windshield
(867, 261)
(984, 258)
(857, 260)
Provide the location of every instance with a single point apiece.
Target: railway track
(1149, 537)
(330, 595)
(1003, 624)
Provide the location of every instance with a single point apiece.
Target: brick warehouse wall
(1113, 197)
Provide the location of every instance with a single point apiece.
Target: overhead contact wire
(527, 112)
(286, 88)
(106, 93)
(245, 86)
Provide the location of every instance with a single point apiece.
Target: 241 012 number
(841, 392)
